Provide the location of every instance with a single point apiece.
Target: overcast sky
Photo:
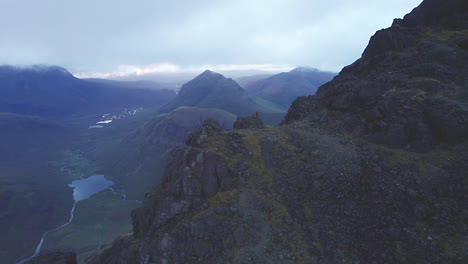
(98, 37)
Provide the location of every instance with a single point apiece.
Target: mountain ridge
(52, 91)
(284, 87)
(213, 90)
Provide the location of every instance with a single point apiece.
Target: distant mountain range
(284, 87)
(213, 90)
(247, 81)
(53, 91)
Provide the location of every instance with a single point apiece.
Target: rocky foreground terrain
(372, 169)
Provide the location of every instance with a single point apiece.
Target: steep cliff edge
(372, 169)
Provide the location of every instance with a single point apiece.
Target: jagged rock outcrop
(209, 128)
(310, 192)
(409, 89)
(246, 122)
(54, 258)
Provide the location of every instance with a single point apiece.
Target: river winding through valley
(82, 189)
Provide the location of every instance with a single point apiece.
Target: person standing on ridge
(256, 114)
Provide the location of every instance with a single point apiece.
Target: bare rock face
(54, 258)
(193, 177)
(209, 128)
(246, 122)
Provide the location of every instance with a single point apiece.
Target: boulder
(246, 122)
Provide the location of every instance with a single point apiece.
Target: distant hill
(284, 87)
(213, 90)
(247, 81)
(53, 91)
(140, 157)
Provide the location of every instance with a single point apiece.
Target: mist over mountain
(284, 87)
(53, 91)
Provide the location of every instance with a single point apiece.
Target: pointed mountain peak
(208, 73)
(206, 77)
(304, 69)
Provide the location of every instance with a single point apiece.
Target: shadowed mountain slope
(213, 90)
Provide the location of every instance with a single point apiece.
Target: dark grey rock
(248, 122)
(209, 128)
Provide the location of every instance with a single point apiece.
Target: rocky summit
(372, 169)
(409, 89)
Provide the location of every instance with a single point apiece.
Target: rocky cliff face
(409, 89)
(296, 194)
(325, 187)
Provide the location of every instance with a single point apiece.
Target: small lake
(82, 189)
(85, 188)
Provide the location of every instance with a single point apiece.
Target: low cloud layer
(142, 71)
(120, 36)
